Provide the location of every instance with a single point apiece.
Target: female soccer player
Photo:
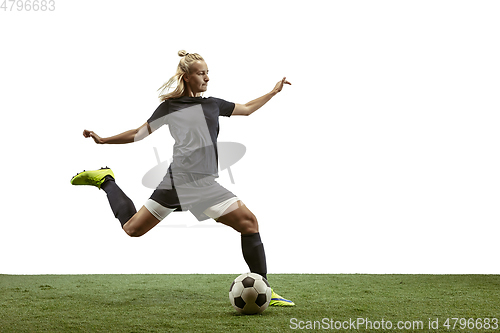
(189, 184)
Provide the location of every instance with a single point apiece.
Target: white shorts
(214, 212)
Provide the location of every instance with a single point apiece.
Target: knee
(249, 224)
(131, 231)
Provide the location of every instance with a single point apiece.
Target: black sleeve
(225, 108)
(159, 117)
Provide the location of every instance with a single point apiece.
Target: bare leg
(134, 223)
(140, 223)
(242, 220)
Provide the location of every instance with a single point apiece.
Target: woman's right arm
(125, 137)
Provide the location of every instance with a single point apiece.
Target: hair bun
(182, 53)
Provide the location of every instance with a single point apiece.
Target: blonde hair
(183, 68)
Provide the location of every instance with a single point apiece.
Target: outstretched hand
(280, 84)
(91, 134)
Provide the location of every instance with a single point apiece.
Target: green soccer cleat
(94, 178)
(277, 300)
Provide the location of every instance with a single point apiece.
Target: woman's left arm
(252, 106)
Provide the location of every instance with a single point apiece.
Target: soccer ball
(250, 293)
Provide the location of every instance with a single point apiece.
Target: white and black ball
(250, 293)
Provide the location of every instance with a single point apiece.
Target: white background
(382, 157)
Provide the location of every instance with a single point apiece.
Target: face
(198, 79)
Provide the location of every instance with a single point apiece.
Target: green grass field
(199, 303)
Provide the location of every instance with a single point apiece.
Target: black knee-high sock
(253, 252)
(121, 205)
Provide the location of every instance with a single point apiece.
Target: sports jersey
(194, 124)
